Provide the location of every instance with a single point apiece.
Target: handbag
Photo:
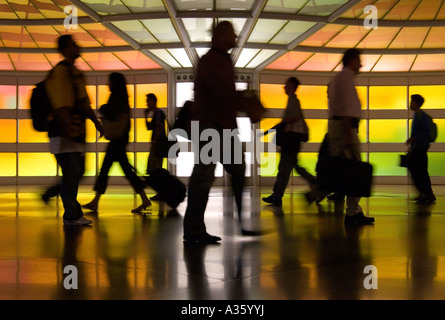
(345, 176)
(115, 129)
(288, 139)
(404, 160)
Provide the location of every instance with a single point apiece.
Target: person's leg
(69, 163)
(419, 172)
(287, 162)
(198, 193)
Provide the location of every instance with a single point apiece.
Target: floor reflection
(306, 253)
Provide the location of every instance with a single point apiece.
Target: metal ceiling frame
(252, 17)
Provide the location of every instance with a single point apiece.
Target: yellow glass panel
(440, 130)
(9, 131)
(266, 124)
(269, 164)
(116, 169)
(9, 164)
(90, 131)
(313, 97)
(388, 97)
(142, 134)
(387, 130)
(30, 164)
(362, 93)
(27, 133)
(362, 132)
(8, 97)
(91, 90)
(317, 129)
(159, 90)
(307, 160)
(435, 163)
(434, 95)
(386, 164)
(273, 96)
(90, 164)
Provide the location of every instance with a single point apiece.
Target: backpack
(433, 128)
(40, 105)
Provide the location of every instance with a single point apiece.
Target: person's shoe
(426, 198)
(82, 221)
(141, 208)
(90, 206)
(358, 219)
(272, 200)
(203, 238)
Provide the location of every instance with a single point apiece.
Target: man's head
(416, 102)
(224, 36)
(291, 85)
(351, 59)
(68, 47)
(151, 101)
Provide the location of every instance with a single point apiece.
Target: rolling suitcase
(170, 188)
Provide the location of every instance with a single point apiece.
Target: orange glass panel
(388, 97)
(273, 96)
(9, 165)
(9, 131)
(8, 97)
(426, 10)
(434, 38)
(5, 62)
(266, 124)
(82, 38)
(30, 62)
(24, 96)
(104, 61)
(321, 37)
(313, 97)
(27, 133)
(409, 38)
(348, 38)
(321, 62)
(137, 60)
(30, 164)
(317, 129)
(379, 38)
(289, 61)
(17, 37)
(394, 63)
(142, 134)
(103, 35)
(45, 36)
(429, 62)
(402, 10)
(91, 91)
(433, 95)
(159, 89)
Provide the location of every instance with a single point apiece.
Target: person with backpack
(422, 132)
(70, 106)
(117, 113)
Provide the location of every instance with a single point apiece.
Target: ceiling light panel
(321, 7)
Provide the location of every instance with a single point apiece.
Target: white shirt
(342, 95)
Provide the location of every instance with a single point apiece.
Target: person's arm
(89, 113)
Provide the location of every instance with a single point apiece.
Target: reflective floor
(305, 253)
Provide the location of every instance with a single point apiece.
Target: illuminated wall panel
(387, 130)
(435, 163)
(317, 129)
(9, 164)
(9, 131)
(8, 97)
(24, 96)
(269, 164)
(307, 160)
(116, 169)
(159, 89)
(386, 164)
(27, 133)
(90, 164)
(388, 97)
(312, 97)
(30, 164)
(434, 96)
(273, 96)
